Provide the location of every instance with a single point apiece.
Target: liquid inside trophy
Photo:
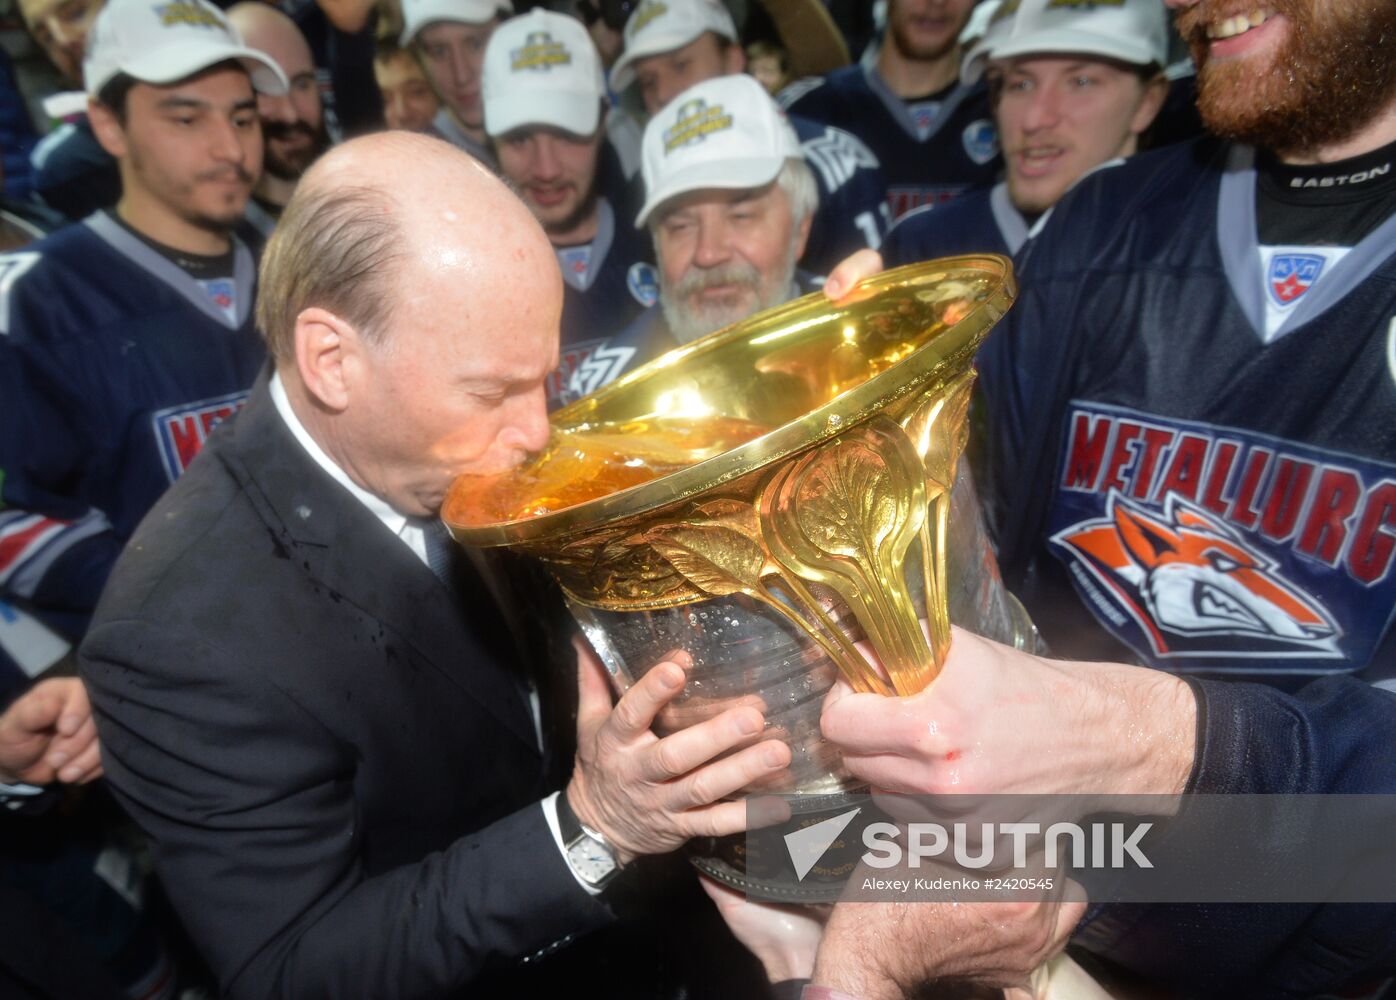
(766, 499)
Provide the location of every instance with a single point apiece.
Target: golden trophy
(765, 499)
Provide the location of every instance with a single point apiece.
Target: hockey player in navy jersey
(1192, 408)
(124, 339)
(1073, 88)
(544, 96)
(670, 45)
(729, 215)
(931, 132)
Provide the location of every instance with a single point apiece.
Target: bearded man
(293, 124)
(729, 200)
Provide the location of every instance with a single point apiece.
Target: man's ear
(328, 357)
(107, 128)
(1155, 94)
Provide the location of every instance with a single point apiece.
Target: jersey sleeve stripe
(31, 543)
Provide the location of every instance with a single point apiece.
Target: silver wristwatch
(586, 851)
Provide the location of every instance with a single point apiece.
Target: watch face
(591, 860)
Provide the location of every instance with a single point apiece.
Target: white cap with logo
(725, 133)
(417, 14)
(665, 25)
(542, 69)
(161, 42)
(1131, 31)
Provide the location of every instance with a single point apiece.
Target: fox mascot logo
(1193, 585)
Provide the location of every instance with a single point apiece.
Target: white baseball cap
(165, 41)
(979, 19)
(542, 69)
(726, 132)
(1132, 31)
(665, 25)
(417, 14)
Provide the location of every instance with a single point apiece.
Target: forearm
(1140, 726)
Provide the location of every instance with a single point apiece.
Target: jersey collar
(896, 107)
(166, 271)
(1239, 245)
(600, 243)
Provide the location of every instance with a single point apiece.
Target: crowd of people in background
(273, 273)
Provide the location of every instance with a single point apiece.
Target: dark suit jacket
(336, 766)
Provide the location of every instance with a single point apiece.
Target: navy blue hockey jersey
(929, 152)
(982, 221)
(853, 211)
(606, 284)
(115, 365)
(1173, 489)
(1134, 398)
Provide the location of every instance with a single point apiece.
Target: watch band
(567, 822)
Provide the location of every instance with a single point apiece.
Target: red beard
(1331, 77)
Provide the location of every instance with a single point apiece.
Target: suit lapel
(352, 554)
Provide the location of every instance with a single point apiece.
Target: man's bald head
(412, 304)
(266, 29)
(375, 212)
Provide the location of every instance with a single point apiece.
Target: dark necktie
(443, 554)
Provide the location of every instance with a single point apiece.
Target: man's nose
(227, 144)
(546, 165)
(460, 68)
(528, 428)
(714, 246)
(276, 109)
(1044, 111)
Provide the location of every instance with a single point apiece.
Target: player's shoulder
(50, 273)
(965, 225)
(813, 92)
(202, 519)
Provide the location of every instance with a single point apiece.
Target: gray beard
(686, 326)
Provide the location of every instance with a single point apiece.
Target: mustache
(225, 173)
(699, 279)
(287, 130)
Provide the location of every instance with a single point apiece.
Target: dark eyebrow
(175, 101)
(307, 75)
(246, 104)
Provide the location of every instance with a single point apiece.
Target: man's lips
(549, 196)
(1239, 34)
(1037, 161)
(937, 25)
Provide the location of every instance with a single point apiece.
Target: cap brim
(579, 114)
(623, 73)
(183, 61)
(451, 10)
(723, 175)
(1066, 42)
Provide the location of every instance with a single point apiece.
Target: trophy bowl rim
(827, 420)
